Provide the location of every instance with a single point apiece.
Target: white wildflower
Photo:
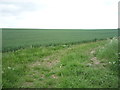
(60, 65)
(114, 62)
(9, 67)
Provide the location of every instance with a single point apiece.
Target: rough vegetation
(86, 65)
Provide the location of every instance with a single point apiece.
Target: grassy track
(20, 38)
(87, 65)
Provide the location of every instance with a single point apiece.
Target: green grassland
(60, 59)
(19, 38)
(88, 65)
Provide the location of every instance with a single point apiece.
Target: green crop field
(19, 38)
(59, 58)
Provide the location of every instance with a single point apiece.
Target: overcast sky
(59, 14)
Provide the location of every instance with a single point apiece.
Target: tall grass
(109, 52)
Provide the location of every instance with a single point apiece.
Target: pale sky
(59, 14)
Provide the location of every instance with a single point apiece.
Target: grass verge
(87, 65)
